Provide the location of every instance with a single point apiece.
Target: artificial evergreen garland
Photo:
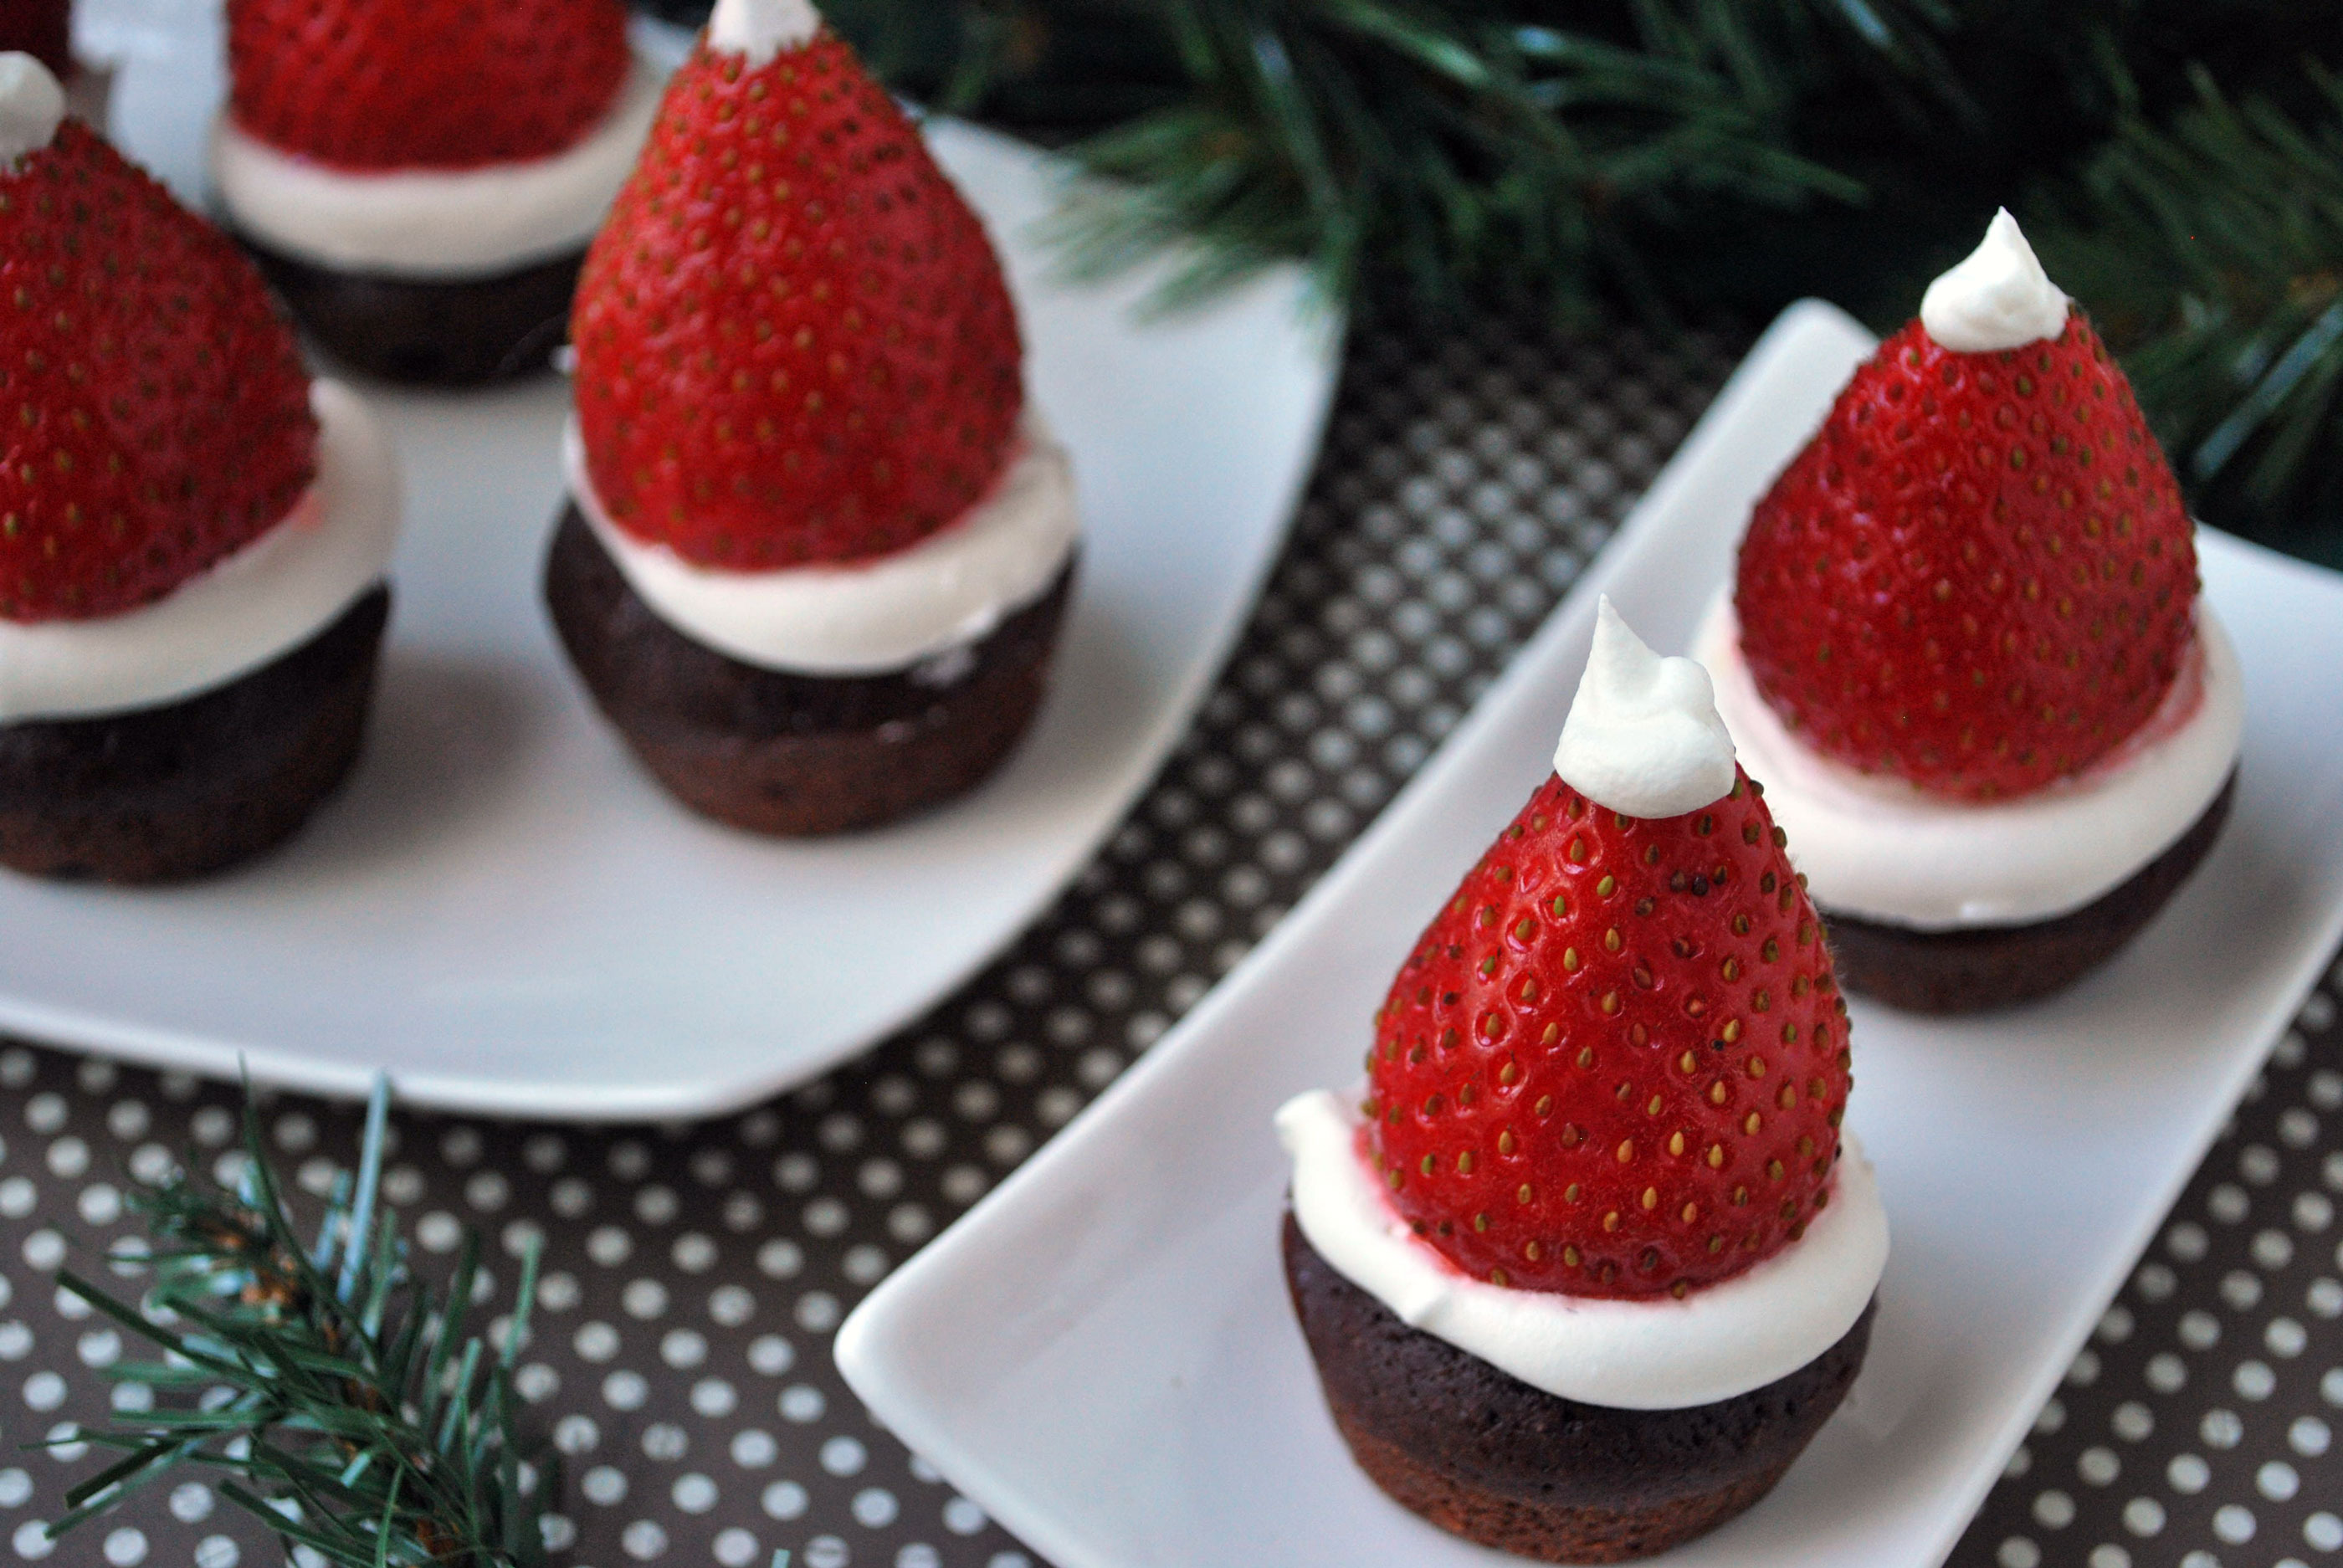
(345, 1402)
(2215, 254)
(1676, 159)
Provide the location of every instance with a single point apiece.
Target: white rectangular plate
(1101, 1354)
(503, 912)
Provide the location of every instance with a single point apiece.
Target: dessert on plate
(1588, 1262)
(194, 537)
(818, 544)
(420, 180)
(1966, 653)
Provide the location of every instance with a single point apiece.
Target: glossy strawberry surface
(1615, 1063)
(1979, 576)
(154, 411)
(383, 84)
(794, 342)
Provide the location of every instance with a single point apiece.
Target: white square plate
(503, 912)
(1101, 1354)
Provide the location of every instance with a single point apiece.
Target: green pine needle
(2212, 253)
(1463, 151)
(344, 1401)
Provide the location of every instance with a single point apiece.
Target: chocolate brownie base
(465, 333)
(1985, 967)
(165, 793)
(794, 754)
(1485, 1456)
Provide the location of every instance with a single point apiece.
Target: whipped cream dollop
(254, 605)
(1883, 849)
(866, 617)
(435, 225)
(761, 29)
(32, 106)
(1740, 1334)
(1999, 298)
(1643, 736)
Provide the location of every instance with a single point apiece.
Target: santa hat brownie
(192, 536)
(1967, 622)
(818, 547)
(1589, 1266)
(840, 376)
(420, 180)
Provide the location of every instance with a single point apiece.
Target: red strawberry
(428, 84)
(1616, 1062)
(1979, 576)
(794, 342)
(153, 412)
(41, 28)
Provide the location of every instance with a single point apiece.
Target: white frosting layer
(761, 29)
(263, 601)
(1883, 849)
(32, 106)
(1997, 298)
(1643, 736)
(1661, 1355)
(435, 225)
(941, 594)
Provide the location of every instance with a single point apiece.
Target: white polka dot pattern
(2199, 1427)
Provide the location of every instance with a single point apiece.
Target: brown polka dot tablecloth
(694, 1275)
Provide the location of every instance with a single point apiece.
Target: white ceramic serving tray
(1101, 1354)
(506, 915)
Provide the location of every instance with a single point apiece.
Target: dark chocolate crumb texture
(776, 752)
(1485, 1456)
(1985, 967)
(464, 333)
(176, 790)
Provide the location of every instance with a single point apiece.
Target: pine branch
(344, 1401)
(1456, 147)
(1052, 70)
(2212, 254)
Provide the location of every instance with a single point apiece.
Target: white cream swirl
(1643, 736)
(1998, 297)
(32, 106)
(866, 617)
(1740, 1334)
(1882, 850)
(761, 29)
(262, 602)
(435, 225)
